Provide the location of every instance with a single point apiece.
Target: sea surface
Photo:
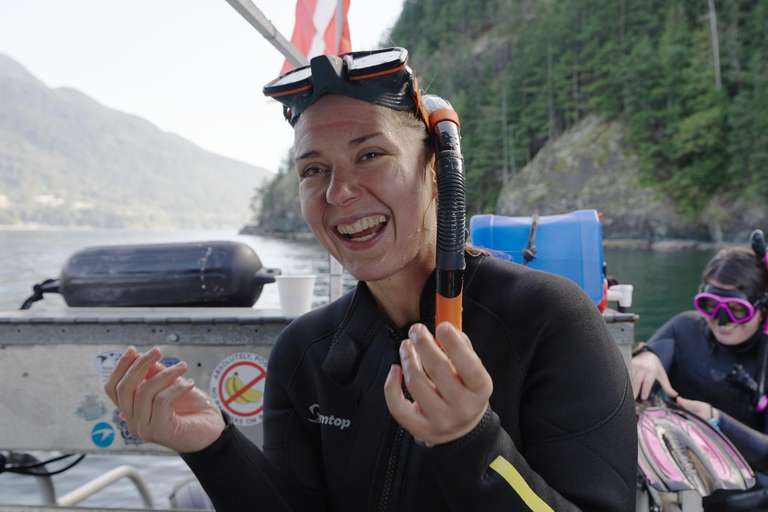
(664, 284)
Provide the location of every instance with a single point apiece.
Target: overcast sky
(191, 67)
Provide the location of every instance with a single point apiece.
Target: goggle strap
(292, 91)
(420, 106)
(444, 114)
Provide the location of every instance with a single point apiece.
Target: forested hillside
(689, 77)
(66, 160)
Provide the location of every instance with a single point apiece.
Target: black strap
(47, 286)
(529, 253)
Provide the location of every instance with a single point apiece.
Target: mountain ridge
(66, 159)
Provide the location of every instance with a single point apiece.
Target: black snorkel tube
(451, 209)
(761, 400)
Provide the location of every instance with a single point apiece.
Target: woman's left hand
(450, 387)
(703, 409)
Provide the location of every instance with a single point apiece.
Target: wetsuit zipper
(391, 464)
(397, 444)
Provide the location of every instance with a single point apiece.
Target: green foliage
(648, 61)
(279, 210)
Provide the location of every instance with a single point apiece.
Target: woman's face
(733, 333)
(364, 189)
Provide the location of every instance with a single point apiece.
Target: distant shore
(665, 245)
(56, 227)
(628, 243)
(258, 231)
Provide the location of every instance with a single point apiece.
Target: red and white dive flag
(321, 28)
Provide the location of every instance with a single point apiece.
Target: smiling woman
(363, 200)
(364, 410)
(714, 361)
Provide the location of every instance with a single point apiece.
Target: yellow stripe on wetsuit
(521, 487)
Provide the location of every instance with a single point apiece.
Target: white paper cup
(295, 294)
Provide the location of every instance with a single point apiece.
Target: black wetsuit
(698, 367)
(560, 431)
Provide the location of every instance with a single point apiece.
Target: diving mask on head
(378, 76)
(383, 77)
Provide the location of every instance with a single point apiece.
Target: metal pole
(335, 279)
(97, 484)
(339, 23)
(255, 17)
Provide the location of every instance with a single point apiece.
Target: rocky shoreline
(664, 245)
(591, 167)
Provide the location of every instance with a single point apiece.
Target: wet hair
(740, 267)
(410, 119)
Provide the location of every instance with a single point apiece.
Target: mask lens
(739, 311)
(375, 63)
(289, 82)
(369, 61)
(707, 305)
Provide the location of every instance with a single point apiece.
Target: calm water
(28, 257)
(664, 284)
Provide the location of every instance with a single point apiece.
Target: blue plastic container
(570, 245)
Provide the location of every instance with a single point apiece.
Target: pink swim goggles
(734, 303)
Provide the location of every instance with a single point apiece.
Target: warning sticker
(104, 362)
(237, 386)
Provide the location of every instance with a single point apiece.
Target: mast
(256, 18)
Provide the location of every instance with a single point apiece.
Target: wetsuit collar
(745, 346)
(363, 321)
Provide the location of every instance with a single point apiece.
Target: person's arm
(578, 449)
(236, 475)
(484, 470)
(163, 407)
(663, 343)
(653, 361)
(752, 444)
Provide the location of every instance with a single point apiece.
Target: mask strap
(758, 245)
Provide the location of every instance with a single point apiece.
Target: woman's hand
(160, 405)
(703, 409)
(646, 370)
(450, 387)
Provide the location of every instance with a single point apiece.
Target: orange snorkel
(451, 209)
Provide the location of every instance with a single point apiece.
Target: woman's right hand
(646, 370)
(160, 405)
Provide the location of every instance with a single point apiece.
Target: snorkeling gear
(726, 305)
(379, 76)
(759, 397)
(383, 77)
(679, 451)
(451, 209)
(758, 245)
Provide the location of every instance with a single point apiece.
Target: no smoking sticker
(237, 386)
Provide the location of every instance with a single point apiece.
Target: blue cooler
(570, 245)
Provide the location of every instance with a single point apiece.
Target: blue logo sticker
(170, 361)
(102, 434)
